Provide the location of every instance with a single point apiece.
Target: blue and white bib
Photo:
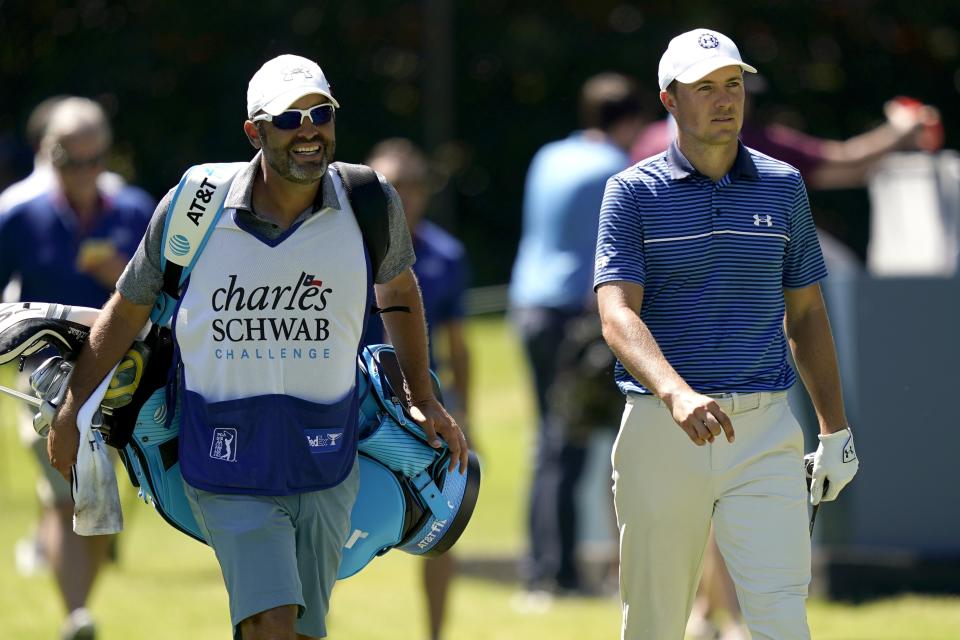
(267, 333)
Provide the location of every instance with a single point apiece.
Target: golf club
(33, 401)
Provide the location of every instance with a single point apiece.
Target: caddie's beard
(290, 167)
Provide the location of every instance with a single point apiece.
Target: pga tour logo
(223, 447)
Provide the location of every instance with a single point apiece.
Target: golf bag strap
(370, 208)
(194, 210)
(431, 495)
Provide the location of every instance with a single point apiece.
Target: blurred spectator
(441, 270)
(550, 286)
(68, 244)
(43, 178)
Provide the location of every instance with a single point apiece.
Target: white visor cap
(282, 81)
(698, 53)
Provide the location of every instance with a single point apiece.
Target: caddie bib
(267, 334)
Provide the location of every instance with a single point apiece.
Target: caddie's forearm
(408, 333)
(815, 355)
(636, 348)
(111, 336)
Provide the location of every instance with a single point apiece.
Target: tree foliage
(173, 75)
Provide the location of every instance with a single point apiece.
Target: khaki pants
(666, 490)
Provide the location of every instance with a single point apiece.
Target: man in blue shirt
(441, 270)
(69, 245)
(707, 263)
(549, 287)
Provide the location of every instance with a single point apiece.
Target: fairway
(166, 586)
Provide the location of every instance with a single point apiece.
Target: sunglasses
(63, 161)
(293, 118)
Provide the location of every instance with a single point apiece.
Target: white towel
(96, 509)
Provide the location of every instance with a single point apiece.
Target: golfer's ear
(668, 100)
(253, 134)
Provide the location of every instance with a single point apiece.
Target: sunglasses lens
(321, 114)
(287, 120)
(78, 164)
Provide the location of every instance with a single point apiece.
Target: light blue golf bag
(407, 498)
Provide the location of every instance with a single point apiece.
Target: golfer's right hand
(63, 442)
(700, 417)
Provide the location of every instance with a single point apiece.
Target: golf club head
(28, 327)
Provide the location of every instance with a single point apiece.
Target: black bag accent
(370, 208)
(584, 394)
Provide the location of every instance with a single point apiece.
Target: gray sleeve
(400, 254)
(142, 280)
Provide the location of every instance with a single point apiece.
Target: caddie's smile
(308, 151)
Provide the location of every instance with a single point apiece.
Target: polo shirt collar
(680, 167)
(240, 195)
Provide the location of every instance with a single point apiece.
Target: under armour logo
(289, 72)
(757, 219)
(708, 41)
(849, 455)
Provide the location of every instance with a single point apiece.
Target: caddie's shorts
(278, 550)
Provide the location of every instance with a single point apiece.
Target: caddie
(707, 266)
(267, 331)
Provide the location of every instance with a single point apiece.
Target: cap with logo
(282, 81)
(695, 54)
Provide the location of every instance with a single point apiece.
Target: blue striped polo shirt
(713, 258)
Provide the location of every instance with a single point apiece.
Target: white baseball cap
(284, 80)
(695, 54)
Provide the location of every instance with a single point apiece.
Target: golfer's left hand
(836, 461)
(437, 423)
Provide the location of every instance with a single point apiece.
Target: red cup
(930, 136)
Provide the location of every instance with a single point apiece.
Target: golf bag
(407, 498)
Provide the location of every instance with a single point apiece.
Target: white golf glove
(834, 462)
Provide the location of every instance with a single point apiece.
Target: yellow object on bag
(127, 377)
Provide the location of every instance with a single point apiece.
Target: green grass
(159, 567)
